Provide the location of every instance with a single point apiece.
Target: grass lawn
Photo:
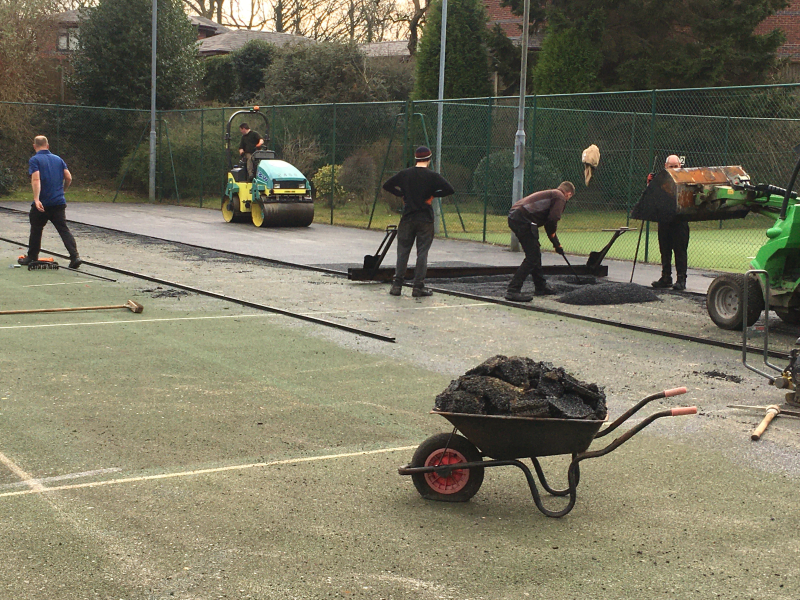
(725, 248)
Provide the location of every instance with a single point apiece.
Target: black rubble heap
(522, 387)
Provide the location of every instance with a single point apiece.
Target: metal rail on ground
(239, 301)
(487, 299)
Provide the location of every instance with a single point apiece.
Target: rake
(134, 307)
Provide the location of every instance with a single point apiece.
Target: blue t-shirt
(51, 173)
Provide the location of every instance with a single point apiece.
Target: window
(68, 40)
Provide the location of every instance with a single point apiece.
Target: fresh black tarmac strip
(239, 301)
(489, 299)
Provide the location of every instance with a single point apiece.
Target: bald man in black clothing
(417, 186)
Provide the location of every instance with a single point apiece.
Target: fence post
(630, 173)
(725, 150)
(333, 161)
(532, 125)
(652, 161)
(487, 164)
(202, 170)
(58, 130)
(224, 158)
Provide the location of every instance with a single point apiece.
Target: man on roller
(49, 178)
(673, 237)
(251, 140)
(417, 186)
(542, 209)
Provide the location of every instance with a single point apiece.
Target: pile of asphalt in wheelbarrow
(521, 386)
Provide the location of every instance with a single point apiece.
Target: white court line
(64, 283)
(34, 485)
(310, 314)
(37, 488)
(60, 477)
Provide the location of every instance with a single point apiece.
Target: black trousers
(528, 237)
(57, 216)
(673, 238)
(408, 232)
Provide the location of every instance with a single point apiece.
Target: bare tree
(415, 18)
(206, 8)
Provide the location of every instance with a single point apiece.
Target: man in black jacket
(417, 186)
(673, 237)
(542, 209)
(251, 140)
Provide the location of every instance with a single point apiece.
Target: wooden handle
(772, 412)
(48, 310)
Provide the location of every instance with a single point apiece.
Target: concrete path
(318, 244)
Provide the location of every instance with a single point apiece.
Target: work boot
(663, 283)
(397, 289)
(544, 290)
(680, 284)
(518, 297)
(26, 260)
(75, 262)
(420, 292)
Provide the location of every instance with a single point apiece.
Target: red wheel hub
(457, 479)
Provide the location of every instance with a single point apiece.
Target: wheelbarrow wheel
(447, 449)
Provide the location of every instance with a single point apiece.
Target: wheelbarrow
(449, 467)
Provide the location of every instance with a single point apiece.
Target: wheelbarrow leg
(537, 499)
(543, 480)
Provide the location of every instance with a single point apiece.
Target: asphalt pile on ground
(522, 387)
(609, 293)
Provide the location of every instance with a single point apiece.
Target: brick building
(787, 20)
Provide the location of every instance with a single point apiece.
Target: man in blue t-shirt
(49, 178)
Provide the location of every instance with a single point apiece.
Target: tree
(248, 65)
(570, 58)
(505, 55)
(23, 26)
(466, 73)
(112, 66)
(695, 43)
(415, 19)
(322, 73)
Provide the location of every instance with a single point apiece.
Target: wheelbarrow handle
(638, 406)
(673, 412)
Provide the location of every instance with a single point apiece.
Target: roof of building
(199, 21)
(392, 48)
(233, 40)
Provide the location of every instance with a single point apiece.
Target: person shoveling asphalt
(542, 209)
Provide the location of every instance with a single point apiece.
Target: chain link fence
(348, 150)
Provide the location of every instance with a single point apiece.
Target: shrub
(358, 178)
(326, 180)
(6, 180)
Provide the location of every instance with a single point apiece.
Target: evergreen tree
(570, 58)
(466, 73)
(112, 67)
(695, 43)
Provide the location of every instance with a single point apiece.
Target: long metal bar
(437, 202)
(239, 301)
(745, 301)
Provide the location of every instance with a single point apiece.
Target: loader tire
(725, 299)
(443, 448)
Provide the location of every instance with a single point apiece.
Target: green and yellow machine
(715, 193)
(278, 196)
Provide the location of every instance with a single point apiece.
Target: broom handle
(636, 256)
(48, 310)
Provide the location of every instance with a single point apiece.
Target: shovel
(578, 279)
(134, 307)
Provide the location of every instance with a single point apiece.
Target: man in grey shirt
(542, 209)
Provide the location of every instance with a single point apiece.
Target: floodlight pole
(519, 140)
(153, 44)
(437, 204)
